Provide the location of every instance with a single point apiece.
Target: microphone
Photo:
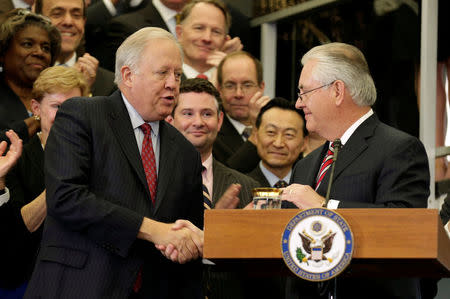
(336, 146)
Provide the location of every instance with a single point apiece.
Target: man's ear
(169, 119)
(127, 76)
(338, 92)
(220, 117)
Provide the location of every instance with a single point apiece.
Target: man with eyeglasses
(241, 86)
(377, 167)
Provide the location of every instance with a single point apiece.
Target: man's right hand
(179, 242)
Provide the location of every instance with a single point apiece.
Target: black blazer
(25, 182)
(104, 83)
(445, 211)
(12, 112)
(123, 26)
(97, 195)
(257, 175)
(378, 167)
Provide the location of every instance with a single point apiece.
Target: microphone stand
(336, 146)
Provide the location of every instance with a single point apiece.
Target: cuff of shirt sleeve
(110, 7)
(4, 198)
(332, 204)
(446, 228)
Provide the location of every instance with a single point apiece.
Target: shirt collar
(346, 136)
(271, 178)
(240, 127)
(71, 62)
(20, 4)
(136, 118)
(208, 163)
(190, 72)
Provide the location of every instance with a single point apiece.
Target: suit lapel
(356, 145)
(167, 157)
(219, 181)
(120, 124)
(153, 17)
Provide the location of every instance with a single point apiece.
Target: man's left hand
(88, 66)
(303, 196)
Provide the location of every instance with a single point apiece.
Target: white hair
(130, 51)
(339, 61)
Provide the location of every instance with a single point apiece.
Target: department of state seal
(317, 244)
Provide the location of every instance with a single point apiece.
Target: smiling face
(280, 138)
(27, 55)
(201, 33)
(197, 118)
(67, 16)
(153, 88)
(317, 105)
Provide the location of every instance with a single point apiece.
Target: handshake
(180, 242)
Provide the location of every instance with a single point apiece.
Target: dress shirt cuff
(4, 198)
(110, 7)
(446, 228)
(332, 204)
(135, 3)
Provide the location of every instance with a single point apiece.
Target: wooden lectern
(387, 242)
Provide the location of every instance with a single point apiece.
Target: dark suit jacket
(223, 177)
(230, 149)
(97, 18)
(104, 83)
(25, 182)
(12, 112)
(97, 195)
(123, 26)
(257, 175)
(378, 167)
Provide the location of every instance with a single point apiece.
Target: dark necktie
(148, 160)
(280, 184)
(202, 76)
(247, 132)
(207, 203)
(326, 163)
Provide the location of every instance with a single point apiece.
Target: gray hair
(130, 51)
(339, 61)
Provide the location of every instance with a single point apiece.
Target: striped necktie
(326, 163)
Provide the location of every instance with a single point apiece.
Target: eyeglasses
(246, 87)
(299, 95)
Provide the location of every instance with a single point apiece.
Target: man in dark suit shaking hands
(377, 167)
(108, 207)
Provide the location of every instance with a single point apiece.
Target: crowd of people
(122, 121)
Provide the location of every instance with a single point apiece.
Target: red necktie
(148, 160)
(326, 163)
(202, 76)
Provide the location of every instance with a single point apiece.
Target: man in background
(198, 118)
(69, 16)
(241, 86)
(280, 139)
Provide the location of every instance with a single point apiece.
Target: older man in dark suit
(117, 178)
(377, 167)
